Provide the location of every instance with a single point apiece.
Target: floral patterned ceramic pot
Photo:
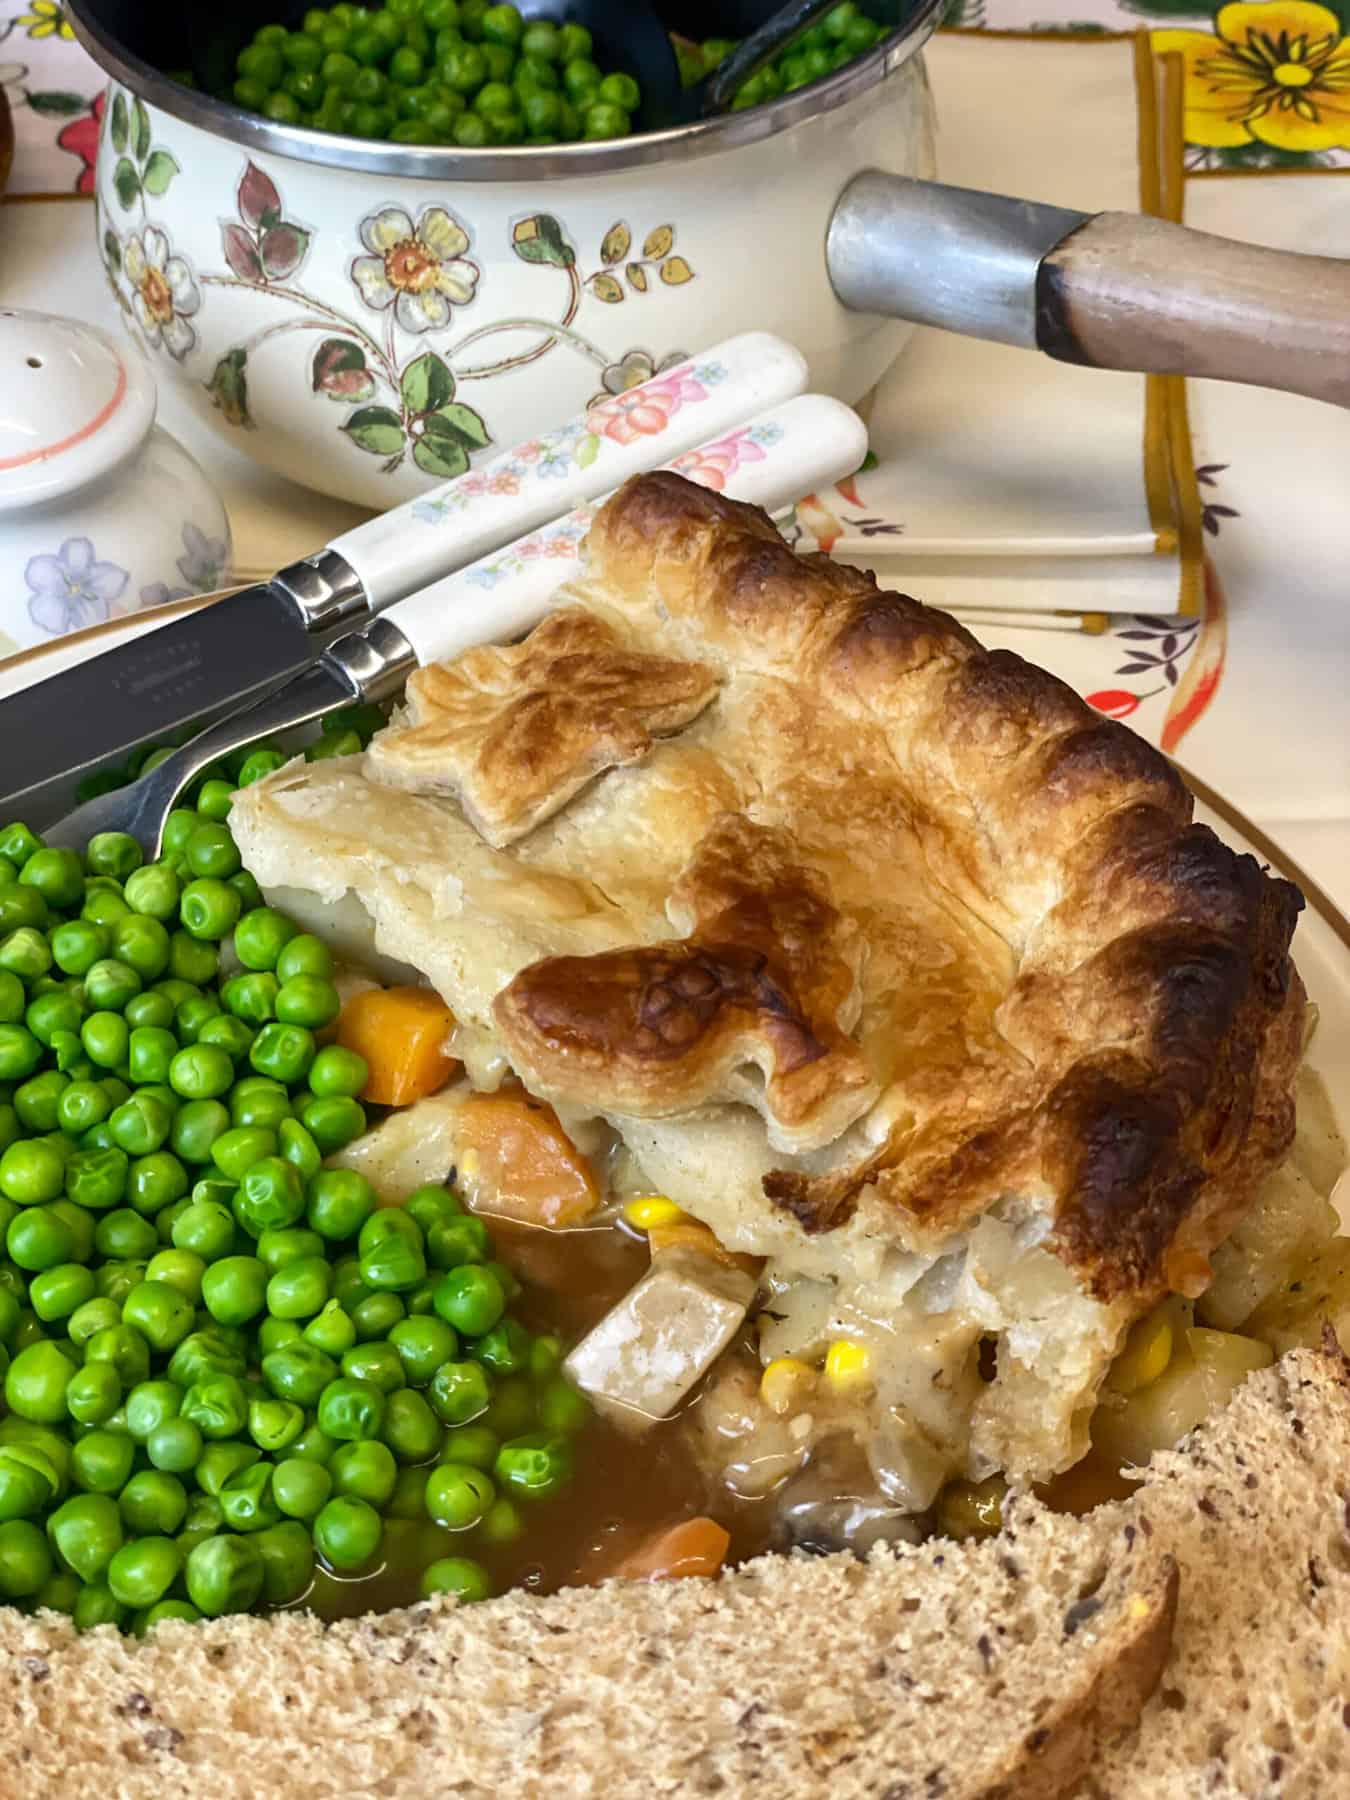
(101, 512)
(370, 318)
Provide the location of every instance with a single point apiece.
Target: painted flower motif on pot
(163, 292)
(420, 270)
(1277, 73)
(46, 18)
(633, 368)
(72, 589)
(627, 417)
(80, 138)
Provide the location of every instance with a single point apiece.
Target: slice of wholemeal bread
(959, 1671)
(1255, 1699)
(1007, 1670)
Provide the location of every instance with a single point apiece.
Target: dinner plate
(1321, 944)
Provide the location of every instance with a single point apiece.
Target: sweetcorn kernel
(652, 1209)
(968, 1509)
(848, 1365)
(1148, 1350)
(786, 1383)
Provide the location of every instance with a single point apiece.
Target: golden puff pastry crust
(514, 732)
(764, 979)
(1035, 993)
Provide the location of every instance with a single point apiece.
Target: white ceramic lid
(73, 404)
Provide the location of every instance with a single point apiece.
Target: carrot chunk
(693, 1547)
(519, 1162)
(402, 1034)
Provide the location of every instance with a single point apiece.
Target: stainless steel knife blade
(92, 716)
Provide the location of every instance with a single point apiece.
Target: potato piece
(1287, 1224)
(1317, 1295)
(648, 1351)
(516, 1160)
(416, 1145)
(1208, 1368)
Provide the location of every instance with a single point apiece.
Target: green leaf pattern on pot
(377, 429)
(228, 388)
(539, 239)
(426, 384)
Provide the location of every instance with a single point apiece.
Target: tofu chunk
(648, 1351)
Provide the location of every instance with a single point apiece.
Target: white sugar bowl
(101, 512)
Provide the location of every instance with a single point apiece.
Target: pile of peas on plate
(459, 72)
(225, 1365)
(844, 32)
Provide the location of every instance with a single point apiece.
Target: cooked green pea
(20, 1053)
(95, 1315)
(211, 851)
(58, 1292)
(29, 1481)
(101, 1462)
(191, 959)
(366, 1471)
(155, 1182)
(37, 1101)
(536, 1466)
(274, 1424)
(376, 1363)
(78, 944)
(36, 1383)
(206, 1229)
(422, 1345)
(150, 1052)
(94, 1394)
(235, 1151)
(459, 1392)
(299, 1371)
(229, 1034)
(224, 1575)
(505, 1349)
(234, 1289)
(458, 1575)
(143, 1571)
(273, 1333)
(106, 1039)
(56, 874)
(149, 1405)
(161, 1314)
(332, 1330)
(376, 1315)
(175, 1445)
(218, 1406)
(58, 1593)
(196, 1127)
(178, 1269)
(473, 1444)
(288, 1561)
(221, 1460)
(153, 891)
(25, 1559)
(261, 936)
(32, 1172)
(300, 1289)
(457, 1242)
(339, 1202)
(246, 1499)
(251, 998)
(124, 1348)
(350, 1409)
(87, 1533)
(411, 1430)
(97, 1179)
(300, 1487)
(347, 1533)
(284, 1052)
(140, 1125)
(471, 1299)
(270, 1197)
(201, 1072)
(260, 1102)
(333, 1121)
(94, 1605)
(313, 1445)
(458, 1495)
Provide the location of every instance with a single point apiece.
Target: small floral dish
(101, 512)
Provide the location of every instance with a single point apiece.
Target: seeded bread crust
(801, 1676)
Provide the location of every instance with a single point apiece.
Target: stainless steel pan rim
(528, 164)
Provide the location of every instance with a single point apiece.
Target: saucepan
(370, 318)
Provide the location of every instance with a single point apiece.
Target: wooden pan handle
(1126, 292)
(1114, 290)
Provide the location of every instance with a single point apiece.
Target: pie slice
(880, 953)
